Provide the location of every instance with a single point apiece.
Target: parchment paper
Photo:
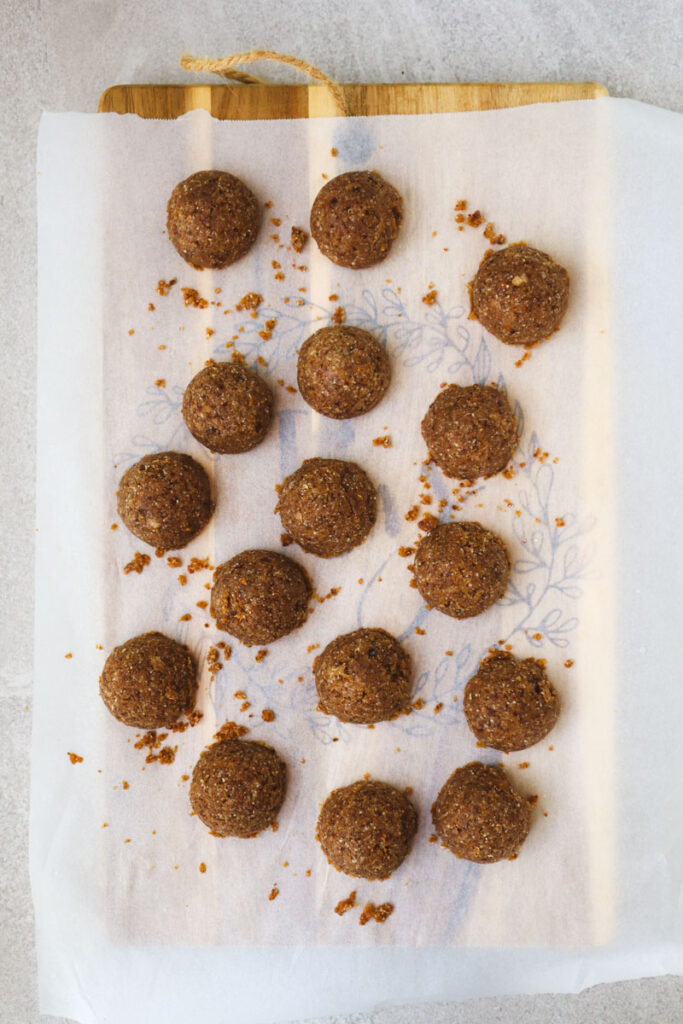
(125, 918)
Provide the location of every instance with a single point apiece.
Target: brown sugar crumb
(267, 332)
(209, 332)
(239, 695)
(260, 655)
(405, 552)
(131, 331)
(74, 758)
(194, 717)
(231, 731)
(428, 522)
(461, 204)
(182, 579)
(290, 389)
(160, 383)
(493, 238)
(114, 526)
(382, 442)
(286, 540)
(532, 800)
(312, 647)
(274, 893)
(164, 287)
(334, 152)
(165, 756)
(379, 914)
(346, 904)
(202, 604)
(191, 297)
(412, 513)
(339, 315)
(161, 348)
(569, 662)
(299, 239)
(419, 631)
(125, 785)
(525, 356)
(174, 562)
(252, 300)
(551, 747)
(523, 764)
(418, 704)
(275, 221)
(68, 654)
(449, 654)
(185, 618)
(184, 778)
(475, 219)
(151, 307)
(137, 563)
(202, 868)
(433, 839)
(559, 522)
(267, 715)
(199, 565)
(438, 708)
(430, 298)
(332, 593)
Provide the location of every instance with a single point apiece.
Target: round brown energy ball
(510, 704)
(479, 816)
(328, 506)
(238, 788)
(149, 681)
(165, 499)
(461, 569)
(342, 371)
(363, 677)
(213, 219)
(355, 218)
(520, 294)
(470, 431)
(366, 829)
(259, 596)
(228, 408)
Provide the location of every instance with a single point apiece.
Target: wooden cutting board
(252, 102)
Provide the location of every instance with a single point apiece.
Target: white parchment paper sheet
(123, 913)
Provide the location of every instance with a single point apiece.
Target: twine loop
(227, 67)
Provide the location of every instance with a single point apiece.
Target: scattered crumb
(267, 332)
(430, 298)
(346, 904)
(428, 522)
(475, 219)
(74, 758)
(461, 204)
(252, 300)
(569, 662)
(164, 287)
(523, 764)
(380, 914)
(438, 708)
(202, 868)
(68, 654)
(191, 297)
(137, 563)
(274, 893)
(419, 631)
(382, 442)
(231, 731)
(185, 618)
(260, 655)
(299, 239)
(339, 315)
(267, 715)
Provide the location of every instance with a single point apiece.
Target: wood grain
(254, 102)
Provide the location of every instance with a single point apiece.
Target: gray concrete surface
(60, 55)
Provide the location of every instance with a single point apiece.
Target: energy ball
(366, 829)
(510, 704)
(342, 371)
(355, 218)
(461, 569)
(149, 682)
(470, 431)
(363, 677)
(260, 596)
(479, 816)
(228, 408)
(212, 219)
(328, 506)
(165, 499)
(238, 788)
(520, 294)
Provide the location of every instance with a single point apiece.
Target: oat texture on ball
(363, 677)
(510, 704)
(328, 506)
(259, 596)
(461, 569)
(228, 408)
(165, 499)
(479, 816)
(213, 219)
(520, 295)
(355, 219)
(366, 829)
(470, 431)
(149, 681)
(238, 788)
(342, 371)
